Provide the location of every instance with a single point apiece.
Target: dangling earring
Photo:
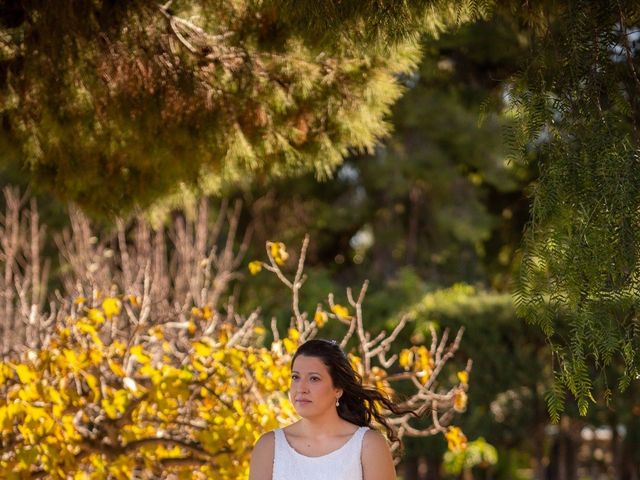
(338, 402)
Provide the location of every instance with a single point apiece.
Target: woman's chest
(317, 447)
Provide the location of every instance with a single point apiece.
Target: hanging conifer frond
(577, 113)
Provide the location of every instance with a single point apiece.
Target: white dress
(341, 464)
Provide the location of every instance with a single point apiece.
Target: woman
(333, 439)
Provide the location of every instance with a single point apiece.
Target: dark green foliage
(579, 107)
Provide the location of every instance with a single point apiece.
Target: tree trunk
(563, 456)
(433, 469)
(410, 469)
(538, 452)
(629, 465)
(616, 443)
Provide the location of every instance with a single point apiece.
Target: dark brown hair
(358, 404)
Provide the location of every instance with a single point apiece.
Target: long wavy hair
(358, 403)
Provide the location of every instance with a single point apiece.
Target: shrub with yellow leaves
(163, 381)
(94, 404)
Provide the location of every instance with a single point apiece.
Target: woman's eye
(315, 379)
(294, 377)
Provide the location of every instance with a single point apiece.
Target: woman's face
(312, 391)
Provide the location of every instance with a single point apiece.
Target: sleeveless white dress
(341, 464)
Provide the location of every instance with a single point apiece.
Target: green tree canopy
(112, 104)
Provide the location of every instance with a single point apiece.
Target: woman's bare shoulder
(375, 440)
(266, 440)
(261, 467)
(377, 462)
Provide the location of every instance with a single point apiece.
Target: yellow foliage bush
(92, 405)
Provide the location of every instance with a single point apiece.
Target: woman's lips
(303, 401)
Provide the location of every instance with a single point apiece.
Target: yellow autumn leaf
(68, 426)
(54, 396)
(25, 374)
(340, 311)
(199, 367)
(289, 345)
(423, 361)
(118, 347)
(92, 381)
(191, 327)
(113, 407)
(463, 377)
(278, 252)
(255, 267)
(72, 359)
(116, 368)
(137, 351)
(423, 376)
(320, 318)
(95, 356)
(110, 409)
(406, 358)
(456, 440)
(459, 400)
(133, 300)
(5, 372)
(111, 306)
(294, 334)
(219, 356)
(95, 316)
(156, 332)
(202, 349)
(354, 360)
(237, 405)
(86, 327)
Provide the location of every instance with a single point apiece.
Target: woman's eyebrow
(308, 373)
